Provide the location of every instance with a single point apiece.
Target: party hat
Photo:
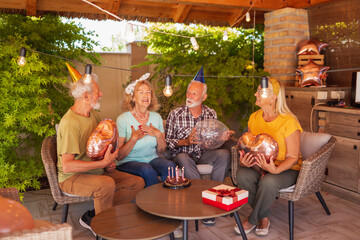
(75, 75)
(200, 76)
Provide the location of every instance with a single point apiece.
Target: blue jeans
(148, 171)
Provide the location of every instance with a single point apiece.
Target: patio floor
(311, 221)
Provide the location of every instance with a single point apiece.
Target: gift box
(225, 197)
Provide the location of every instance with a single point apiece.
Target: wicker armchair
(49, 158)
(11, 193)
(53, 232)
(316, 149)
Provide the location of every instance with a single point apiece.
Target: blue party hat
(200, 76)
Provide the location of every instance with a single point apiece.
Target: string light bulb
(87, 77)
(168, 92)
(22, 60)
(265, 90)
(225, 35)
(247, 17)
(194, 43)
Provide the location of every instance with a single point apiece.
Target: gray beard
(193, 104)
(96, 106)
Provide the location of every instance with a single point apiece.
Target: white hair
(204, 84)
(78, 88)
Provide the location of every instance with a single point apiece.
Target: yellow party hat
(75, 75)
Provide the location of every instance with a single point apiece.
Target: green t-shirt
(73, 133)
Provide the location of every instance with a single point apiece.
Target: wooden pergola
(208, 12)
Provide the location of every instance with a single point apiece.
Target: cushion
(204, 168)
(310, 143)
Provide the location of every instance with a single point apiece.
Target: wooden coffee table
(127, 221)
(184, 204)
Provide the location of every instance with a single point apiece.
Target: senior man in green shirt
(78, 174)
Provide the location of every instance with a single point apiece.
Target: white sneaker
(178, 233)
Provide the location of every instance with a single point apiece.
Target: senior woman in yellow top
(275, 119)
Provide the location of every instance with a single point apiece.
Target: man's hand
(109, 157)
(111, 167)
(192, 139)
(227, 134)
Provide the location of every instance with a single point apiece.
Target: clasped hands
(144, 130)
(249, 160)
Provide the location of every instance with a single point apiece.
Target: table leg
(172, 237)
(185, 230)
(238, 222)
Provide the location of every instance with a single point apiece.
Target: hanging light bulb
(225, 35)
(22, 60)
(130, 35)
(87, 77)
(168, 89)
(265, 90)
(247, 17)
(194, 43)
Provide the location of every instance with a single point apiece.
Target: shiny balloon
(261, 143)
(211, 133)
(312, 74)
(311, 47)
(104, 134)
(14, 216)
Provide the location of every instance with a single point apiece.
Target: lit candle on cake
(172, 172)
(169, 172)
(183, 173)
(177, 173)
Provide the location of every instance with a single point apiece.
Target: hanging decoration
(311, 47)
(312, 74)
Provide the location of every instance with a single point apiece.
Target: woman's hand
(136, 135)
(151, 131)
(262, 163)
(246, 159)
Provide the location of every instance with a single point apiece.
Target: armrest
(56, 232)
(312, 171)
(234, 163)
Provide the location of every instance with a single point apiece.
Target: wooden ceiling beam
(181, 13)
(233, 19)
(113, 7)
(269, 5)
(31, 7)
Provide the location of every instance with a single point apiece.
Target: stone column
(284, 28)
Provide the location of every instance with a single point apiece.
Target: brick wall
(284, 28)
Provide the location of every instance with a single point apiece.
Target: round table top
(184, 204)
(127, 221)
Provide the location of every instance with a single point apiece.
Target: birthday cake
(176, 183)
(177, 180)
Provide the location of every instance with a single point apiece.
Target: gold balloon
(103, 135)
(262, 143)
(14, 216)
(312, 74)
(311, 47)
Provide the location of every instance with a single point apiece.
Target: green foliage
(232, 98)
(33, 97)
